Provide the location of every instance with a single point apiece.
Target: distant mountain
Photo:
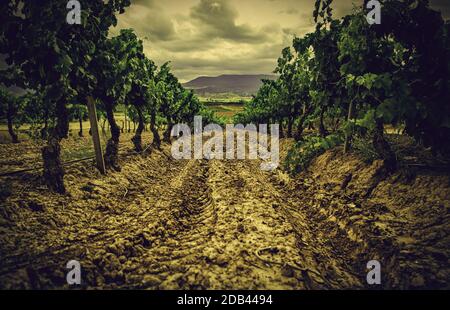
(237, 84)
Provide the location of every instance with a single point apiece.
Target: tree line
(351, 77)
(63, 66)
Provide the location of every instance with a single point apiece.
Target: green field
(225, 105)
(223, 97)
(225, 109)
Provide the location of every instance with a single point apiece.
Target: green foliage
(364, 149)
(388, 73)
(18, 109)
(50, 52)
(53, 57)
(78, 111)
(66, 65)
(303, 152)
(6, 100)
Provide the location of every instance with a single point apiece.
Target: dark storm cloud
(213, 37)
(159, 27)
(217, 19)
(148, 20)
(228, 65)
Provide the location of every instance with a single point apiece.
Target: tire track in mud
(98, 237)
(306, 256)
(186, 219)
(253, 246)
(193, 224)
(217, 230)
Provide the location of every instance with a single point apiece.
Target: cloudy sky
(214, 37)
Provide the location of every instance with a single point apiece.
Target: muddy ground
(166, 224)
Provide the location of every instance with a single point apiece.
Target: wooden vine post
(126, 119)
(100, 162)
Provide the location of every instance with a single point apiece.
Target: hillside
(237, 84)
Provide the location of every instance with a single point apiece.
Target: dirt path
(167, 224)
(228, 224)
(162, 224)
(215, 228)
